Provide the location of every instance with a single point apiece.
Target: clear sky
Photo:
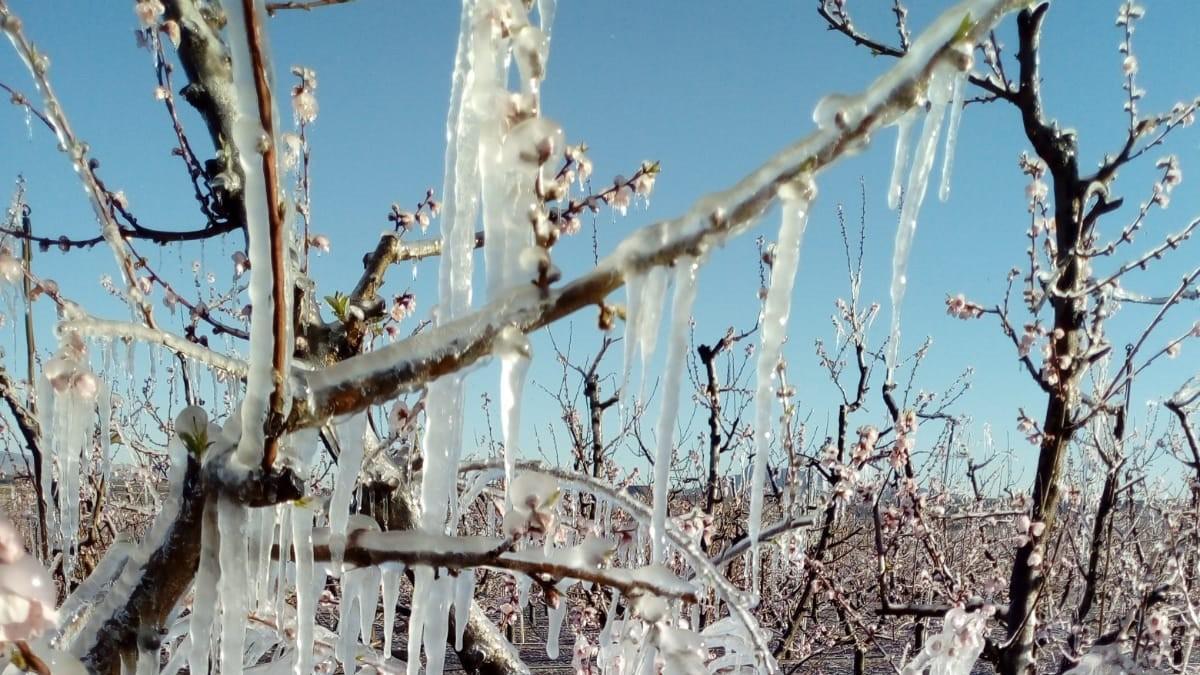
(710, 89)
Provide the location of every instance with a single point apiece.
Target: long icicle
(795, 199)
(677, 347)
(956, 110)
(914, 195)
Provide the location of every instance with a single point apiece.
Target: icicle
(350, 435)
(204, 593)
(900, 160)
(391, 595)
(677, 347)
(555, 621)
(147, 661)
(248, 134)
(233, 586)
(653, 293)
(914, 195)
(264, 532)
(307, 591)
(633, 322)
(281, 586)
(795, 199)
(513, 347)
(956, 109)
(422, 585)
(104, 407)
(441, 596)
(464, 592)
(546, 11)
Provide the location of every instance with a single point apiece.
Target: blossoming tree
(340, 452)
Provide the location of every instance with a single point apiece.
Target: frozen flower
(319, 242)
(26, 590)
(644, 183)
(292, 145)
(304, 105)
(171, 28)
(240, 263)
(1195, 332)
(1173, 350)
(145, 285)
(148, 11)
(170, 300)
(161, 93)
(11, 269)
(403, 306)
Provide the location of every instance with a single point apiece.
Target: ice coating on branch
(513, 348)
(900, 159)
(956, 109)
(249, 137)
(677, 348)
(350, 435)
(795, 200)
(306, 590)
(233, 585)
(954, 650)
(914, 195)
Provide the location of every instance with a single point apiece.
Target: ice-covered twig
(106, 328)
(270, 323)
(102, 202)
(414, 548)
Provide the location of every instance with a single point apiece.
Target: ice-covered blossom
(320, 242)
(954, 650)
(304, 98)
(11, 269)
(403, 306)
(148, 11)
(240, 263)
(534, 499)
(26, 590)
(959, 307)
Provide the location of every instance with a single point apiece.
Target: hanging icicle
(795, 200)
(677, 346)
(914, 195)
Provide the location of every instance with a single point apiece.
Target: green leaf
(197, 443)
(964, 28)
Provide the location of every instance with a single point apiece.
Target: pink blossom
(148, 11)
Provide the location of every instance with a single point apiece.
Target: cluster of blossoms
(1029, 428)
(906, 439)
(865, 447)
(426, 210)
(1037, 191)
(1171, 178)
(697, 525)
(1029, 530)
(149, 14)
(959, 307)
(956, 648)
(304, 96)
(68, 372)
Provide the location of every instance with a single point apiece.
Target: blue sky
(710, 89)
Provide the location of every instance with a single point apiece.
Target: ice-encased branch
(382, 375)
(416, 548)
